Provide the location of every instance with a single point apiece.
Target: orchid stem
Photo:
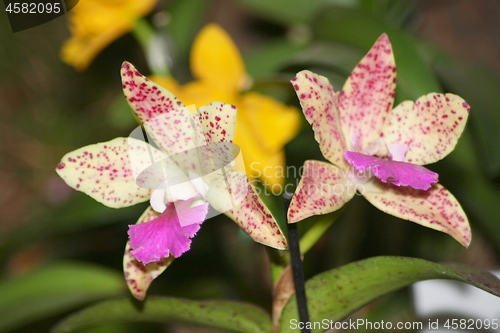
(145, 35)
(297, 268)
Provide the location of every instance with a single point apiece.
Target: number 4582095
(33, 8)
(471, 324)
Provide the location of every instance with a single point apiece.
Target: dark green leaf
(338, 56)
(268, 59)
(185, 21)
(337, 293)
(286, 12)
(235, 316)
(54, 289)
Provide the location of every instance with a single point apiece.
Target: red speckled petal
(166, 236)
(319, 104)
(146, 98)
(368, 95)
(237, 199)
(436, 208)
(323, 188)
(397, 173)
(430, 127)
(137, 275)
(218, 121)
(104, 172)
(165, 119)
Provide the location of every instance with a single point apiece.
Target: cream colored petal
(104, 172)
(368, 95)
(320, 106)
(435, 208)
(430, 127)
(166, 120)
(323, 188)
(234, 195)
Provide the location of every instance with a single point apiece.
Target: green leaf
(230, 315)
(285, 12)
(186, 17)
(54, 289)
(338, 56)
(358, 28)
(337, 293)
(268, 59)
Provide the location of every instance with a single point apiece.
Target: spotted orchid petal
(368, 95)
(320, 106)
(164, 117)
(430, 127)
(323, 188)
(397, 173)
(435, 208)
(234, 195)
(147, 99)
(165, 235)
(104, 172)
(137, 275)
(218, 121)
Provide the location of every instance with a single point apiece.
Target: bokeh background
(66, 249)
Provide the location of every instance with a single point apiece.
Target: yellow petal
(94, 24)
(168, 83)
(216, 59)
(272, 123)
(263, 127)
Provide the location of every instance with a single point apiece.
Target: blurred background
(60, 250)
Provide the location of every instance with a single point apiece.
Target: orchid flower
(220, 75)
(95, 24)
(379, 151)
(188, 169)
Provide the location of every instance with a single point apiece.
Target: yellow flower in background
(94, 24)
(263, 125)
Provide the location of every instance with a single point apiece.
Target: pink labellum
(164, 236)
(397, 173)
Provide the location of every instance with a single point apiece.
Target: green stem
(317, 230)
(144, 33)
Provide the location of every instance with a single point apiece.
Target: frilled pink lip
(395, 172)
(165, 236)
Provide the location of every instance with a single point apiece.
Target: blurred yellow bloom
(263, 125)
(94, 24)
